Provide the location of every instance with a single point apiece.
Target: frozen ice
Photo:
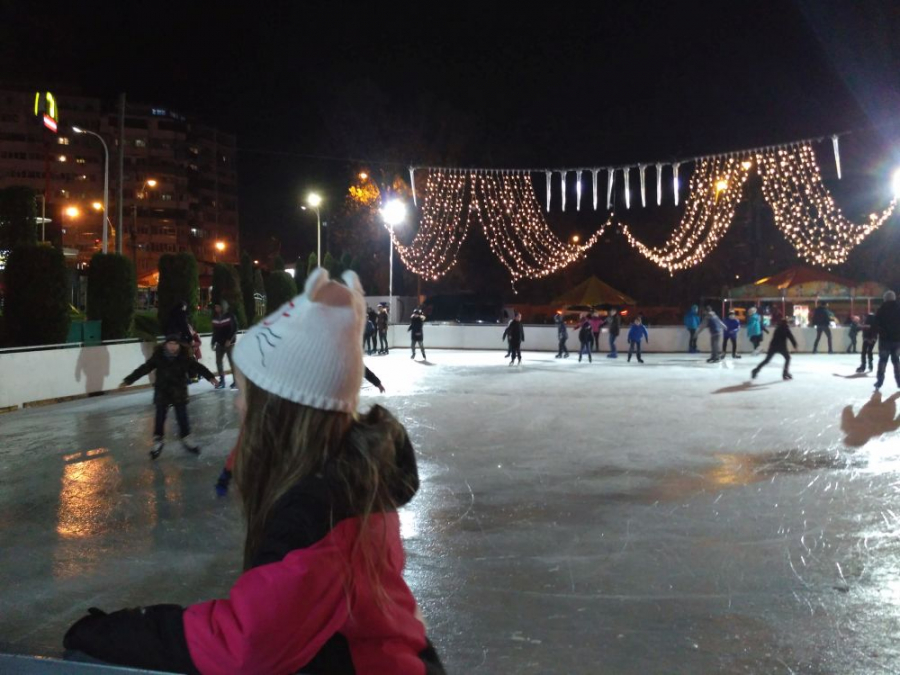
(665, 517)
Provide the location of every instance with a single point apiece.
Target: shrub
(227, 286)
(279, 289)
(246, 275)
(111, 291)
(37, 296)
(177, 281)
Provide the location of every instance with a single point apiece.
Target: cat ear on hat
(352, 281)
(315, 283)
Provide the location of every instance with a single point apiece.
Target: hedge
(37, 296)
(177, 281)
(227, 286)
(280, 288)
(111, 291)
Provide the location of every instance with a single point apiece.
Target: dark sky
(469, 83)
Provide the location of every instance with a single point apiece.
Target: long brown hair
(282, 442)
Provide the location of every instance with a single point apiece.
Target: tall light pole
(393, 213)
(79, 130)
(314, 201)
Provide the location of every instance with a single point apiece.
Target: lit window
(80, 160)
(62, 158)
(166, 197)
(140, 143)
(81, 177)
(62, 140)
(64, 194)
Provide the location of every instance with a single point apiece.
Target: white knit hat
(310, 350)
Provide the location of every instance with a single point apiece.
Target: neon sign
(45, 106)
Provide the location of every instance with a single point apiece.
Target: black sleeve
(139, 372)
(195, 368)
(146, 637)
(406, 464)
(372, 378)
(232, 328)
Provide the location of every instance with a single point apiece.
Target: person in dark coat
(586, 338)
(822, 318)
(417, 328)
(870, 337)
(716, 328)
(515, 334)
(370, 335)
(382, 325)
(225, 328)
(614, 325)
(173, 367)
(778, 345)
(562, 333)
(853, 334)
(887, 318)
(177, 323)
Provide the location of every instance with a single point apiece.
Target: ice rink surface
(665, 517)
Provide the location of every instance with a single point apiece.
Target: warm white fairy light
(443, 229)
(715, 190)
(804, 209)
(516, 230)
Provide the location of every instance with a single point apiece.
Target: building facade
(179, 180)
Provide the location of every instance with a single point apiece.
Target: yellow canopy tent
(592, 292)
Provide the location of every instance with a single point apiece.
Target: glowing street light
(314, 200)
(97, 206)
(150, 182)
(220, 246)
(72, 211)
(142, 194)
(393, 213)
(575, 238)
(79, 130)
(895, 184)
(363, 175)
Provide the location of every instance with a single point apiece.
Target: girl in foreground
(322, 589)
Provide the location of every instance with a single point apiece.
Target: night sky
(307, 87)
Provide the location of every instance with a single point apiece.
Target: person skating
(636, 333)
(382, 325)
(596, 322)
(715, 326)
(225, 328)
(562, 333)
(755, 329)
(613, 324)
(870, 337)
(370, 332)
(853, 334)
(173, 367)
(887, 318)
(322, 588)
(822, 318)
(692, 323)
(515, 335)
(177, 323)
(778, 345)
(586, 338)
(508, 348)
(417, 328)
(732, 328)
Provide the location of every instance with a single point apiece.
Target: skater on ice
(636, 333)
(515, 335)
(778, 345)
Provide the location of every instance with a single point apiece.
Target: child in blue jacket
(732, 326)
(636, 333)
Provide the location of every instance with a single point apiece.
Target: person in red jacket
(322, 589)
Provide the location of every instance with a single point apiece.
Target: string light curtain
(435, 249)
(715, 190)
(805, 210)
(507, 208)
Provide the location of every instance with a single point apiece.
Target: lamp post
(393, 213)
(79, 130)
(314, 201)
(149, 183)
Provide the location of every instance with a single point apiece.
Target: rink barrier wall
(50, 374)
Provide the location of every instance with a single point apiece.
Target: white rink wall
(40, 375)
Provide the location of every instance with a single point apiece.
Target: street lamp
(79, 130)
(72, 211)
(314, 201)
(895, 183)
(220, 247)
(575, 238)
(393, 213)
(142, 194)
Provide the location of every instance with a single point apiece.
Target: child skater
(870, 337)
(852, 334)
(755, 329)
(636, 333)
(778, 345)
(732, 328)
(586, 338)
(173, 367)
(515, 334)
(562, 333)
(322, 589)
